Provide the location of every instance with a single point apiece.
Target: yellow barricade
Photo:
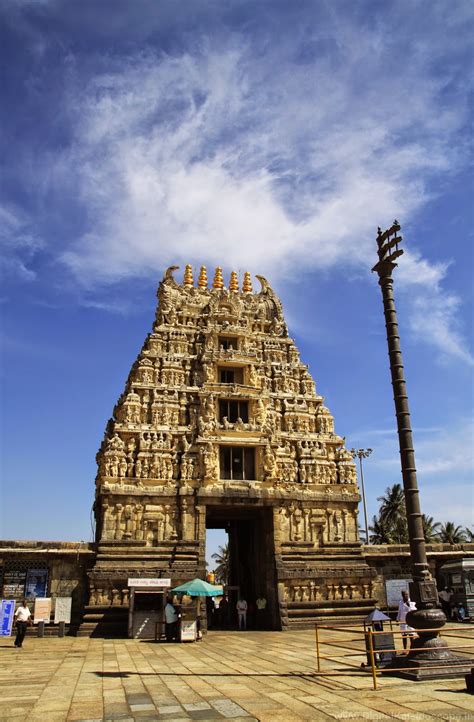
(349, 644)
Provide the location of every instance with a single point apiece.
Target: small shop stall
(190, 619)
(146, 610)
(459, 578)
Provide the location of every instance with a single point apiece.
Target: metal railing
(363, 643)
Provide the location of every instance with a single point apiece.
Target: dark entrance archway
(252, 571)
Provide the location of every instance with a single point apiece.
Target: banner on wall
(62, 610)
(14, 583)
(42, 612)
(7, 612)
(36, 583)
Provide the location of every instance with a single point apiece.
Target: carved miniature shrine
(220, 426)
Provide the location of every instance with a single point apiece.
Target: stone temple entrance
(252, 572)
(220, 423)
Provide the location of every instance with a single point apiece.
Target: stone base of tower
(324, 585)
(107, 613)
(303, 581)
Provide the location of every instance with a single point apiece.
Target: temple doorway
(252, 572)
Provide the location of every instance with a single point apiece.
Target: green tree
(380, 533)
(430, 528)
(469, 534)
(392, 514)
(449, 533)
(222, 558)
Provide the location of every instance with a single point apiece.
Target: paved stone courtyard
(265, 676)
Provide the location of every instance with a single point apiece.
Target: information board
(62, 610)
(394, 588)
(14, 583)
(42, 611)
(144, 583)
(7, 612)
(36, 582)
(188, 631)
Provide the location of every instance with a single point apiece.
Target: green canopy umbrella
(199, 588)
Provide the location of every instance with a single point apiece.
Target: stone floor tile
(228, 708)
(144, 707)
(170, 709)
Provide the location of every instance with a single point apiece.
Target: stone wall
(66, 564)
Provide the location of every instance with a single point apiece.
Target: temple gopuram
(220, 426)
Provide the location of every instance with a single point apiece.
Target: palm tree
(393, 503)
(451, 534)
(469, 534)
(222, 557)
(430, 528)
(380, 531)
(392, 514)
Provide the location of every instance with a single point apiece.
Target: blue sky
(272, 137)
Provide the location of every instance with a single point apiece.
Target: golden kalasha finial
(247, 284)
(202, 283)
(218, 279)
(234, 282)
(188, 281)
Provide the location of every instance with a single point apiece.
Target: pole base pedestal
(429, 656)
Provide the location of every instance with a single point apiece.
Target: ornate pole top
(388, 250)
(218, 279)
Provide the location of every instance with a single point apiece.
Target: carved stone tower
(220, 426)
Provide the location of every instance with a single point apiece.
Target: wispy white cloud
(442, 450)
(18, 243)
(445, 470)
(268, 161)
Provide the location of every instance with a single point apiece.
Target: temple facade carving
(220, 418)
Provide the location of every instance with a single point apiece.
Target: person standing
(242, 613)
(445, 597)
(23, 620)
(261, 605)
(171, 621)
(224, 611)
(405, 606)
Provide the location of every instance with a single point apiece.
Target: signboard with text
(188, 631)
(7, 612)
(147, 583)
(14, 583)
(42, 612)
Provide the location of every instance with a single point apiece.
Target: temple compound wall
(64, 567)
(220, 425)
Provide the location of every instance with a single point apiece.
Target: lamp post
(428, 650)
(363, 454)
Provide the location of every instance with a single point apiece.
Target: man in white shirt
(23, 620)
(405, 606)
(445, 597)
